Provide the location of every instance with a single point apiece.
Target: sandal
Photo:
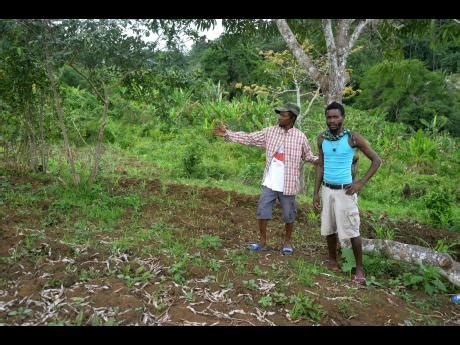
(257, 247)
(287, 250)
(359, 280)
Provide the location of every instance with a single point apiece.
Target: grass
(346, 309)
(305, 307)
(109, 209)
(238, 259)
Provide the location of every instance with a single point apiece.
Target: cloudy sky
(210, 34)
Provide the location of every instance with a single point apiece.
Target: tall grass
(178, 142)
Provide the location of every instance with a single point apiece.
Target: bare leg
(358, 253)
(332, 250)
(289, 227)
(263, 232)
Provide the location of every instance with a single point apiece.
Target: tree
(101, 52)
(408, 92)
(286, 68)
(103, 55)
(24, 95)
(339, 47)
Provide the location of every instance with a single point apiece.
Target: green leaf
(349, 260)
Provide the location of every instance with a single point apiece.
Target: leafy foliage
(407, 91)
(306, 308)
(439, 205)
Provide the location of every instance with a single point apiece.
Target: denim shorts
(266, 201)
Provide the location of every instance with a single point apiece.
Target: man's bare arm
(319, 174)
(365, 148)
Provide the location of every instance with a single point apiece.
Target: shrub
(439, 202)
(191, 160)
(427, 279)
(252, 173)
(407, 91)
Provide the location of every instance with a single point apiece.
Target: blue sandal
(287, 250)
(256, 247)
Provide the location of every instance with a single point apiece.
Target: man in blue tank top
(340, 214)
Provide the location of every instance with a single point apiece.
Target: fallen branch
(411, 253)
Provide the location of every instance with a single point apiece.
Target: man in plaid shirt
(286, 148)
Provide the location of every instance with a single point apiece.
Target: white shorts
(339, 214)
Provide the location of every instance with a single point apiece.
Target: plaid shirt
(296, 148)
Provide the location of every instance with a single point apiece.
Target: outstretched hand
(219, 131)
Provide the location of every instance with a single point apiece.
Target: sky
(210, 34)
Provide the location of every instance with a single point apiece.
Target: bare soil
(52, 280)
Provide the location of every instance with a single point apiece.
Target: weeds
(346, 310)
(439, 205)
(305, 308)
(279, 297)
(86, 275)
(383, 233)
(250, 284)
(428, 279)
(130, 277)
(209, 241)
(214, 265)
(21, 312)
(266, 301)
(178, 271)
(239, 260)
(258, 271)
(304, 272)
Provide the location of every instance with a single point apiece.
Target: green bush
(191, 160)
(439, 202)
(407, 91)
(251, 174)
(427, 279)
(421, 150)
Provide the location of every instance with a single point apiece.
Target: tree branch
(298, 51)
(88, 80)
(359, 28)
(330, 44)
(342, 35)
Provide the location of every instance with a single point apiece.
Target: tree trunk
(335, 92)
(43, 148)
(100, 138)
(57, 102)
(301, 56)
(413, 254)
(32, 141)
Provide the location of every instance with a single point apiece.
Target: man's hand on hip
(355, 187)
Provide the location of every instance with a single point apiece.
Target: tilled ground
(150, 267)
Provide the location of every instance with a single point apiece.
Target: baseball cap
(293, 108)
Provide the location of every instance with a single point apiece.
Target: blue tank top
(338, 156)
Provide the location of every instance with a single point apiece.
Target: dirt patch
(179, 283)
